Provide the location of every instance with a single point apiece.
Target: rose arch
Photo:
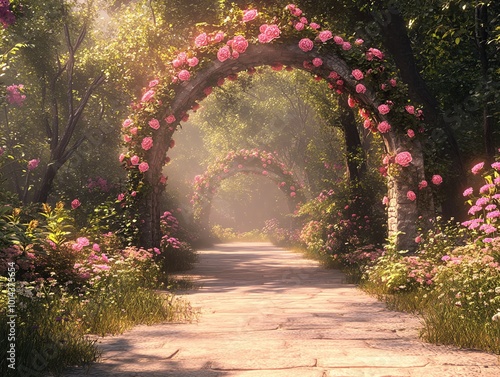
(247, 162)
(248, 39)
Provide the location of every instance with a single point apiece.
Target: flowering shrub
(279, 235)
(484, 204)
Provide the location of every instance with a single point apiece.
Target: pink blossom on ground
(469, 191)
(33, 164)
(477, 168)
(134, 160)
(317, 62)
(384, 127)
(201, 40)
(223, 54)
(75, 204)
(360, 88)
(411, 195)
(437, 179)
(410, 133)
(306, 44)
(404, 159)
(170, 119)
(154, 124)
(357, 74)
(250, 14)
(143, 167)
(384, 109)
(423, 184)
(148, 96)
(147, 143)
(184, 75)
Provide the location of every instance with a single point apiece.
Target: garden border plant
(282, 39)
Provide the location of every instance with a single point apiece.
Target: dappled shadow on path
(259, 268)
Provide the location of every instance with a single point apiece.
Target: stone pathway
(267, 312)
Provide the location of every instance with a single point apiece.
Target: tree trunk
(398, 44)
(42, 194)
(355, 158)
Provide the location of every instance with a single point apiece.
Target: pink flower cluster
(15, 96)
(268, 33)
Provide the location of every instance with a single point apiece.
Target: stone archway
(243, 162)
(166, 102)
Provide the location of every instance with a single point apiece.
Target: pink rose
(120, 197)
(154, 124)
(360, 88)
(121, 157)
(410, 109)
(249, 15)
(143, 167)
(219, 37)
(346, 46)
(359, 42)
(184, 75)
(423, 184)
(384, 127)
(351, 102)
(357, 74)
(393, 82)
(418, 239)
(384, 109)
(134, 160)
(127, 138)
(264, 38)
(223, 54)
(126, 123)
(304, 20)
(299, 26)
(385, 200)
(338, 40)
(317, 62)
(75, 204)
(411, 196)
(314, 26)
(147, 143)
(437, 179)
(133, 131)
(377, 53)
(201, 40)
(193, 62)
(410, 133)
(325, 35)
(148, 96)
(153, 83)
(176, 63)
(404, 159)
(170, 119)
(306, 44)
(272, 31)
(240, 44)
(367, 124)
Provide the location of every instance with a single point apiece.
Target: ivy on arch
(248, 39)
(245, 161)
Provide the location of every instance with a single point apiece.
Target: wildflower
(477, 168)
(469, 191)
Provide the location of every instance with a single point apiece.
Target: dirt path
(267, 312)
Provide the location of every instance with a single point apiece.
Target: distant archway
(289, 41)
(243, 162)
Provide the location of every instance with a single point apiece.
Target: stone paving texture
(268, 312)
